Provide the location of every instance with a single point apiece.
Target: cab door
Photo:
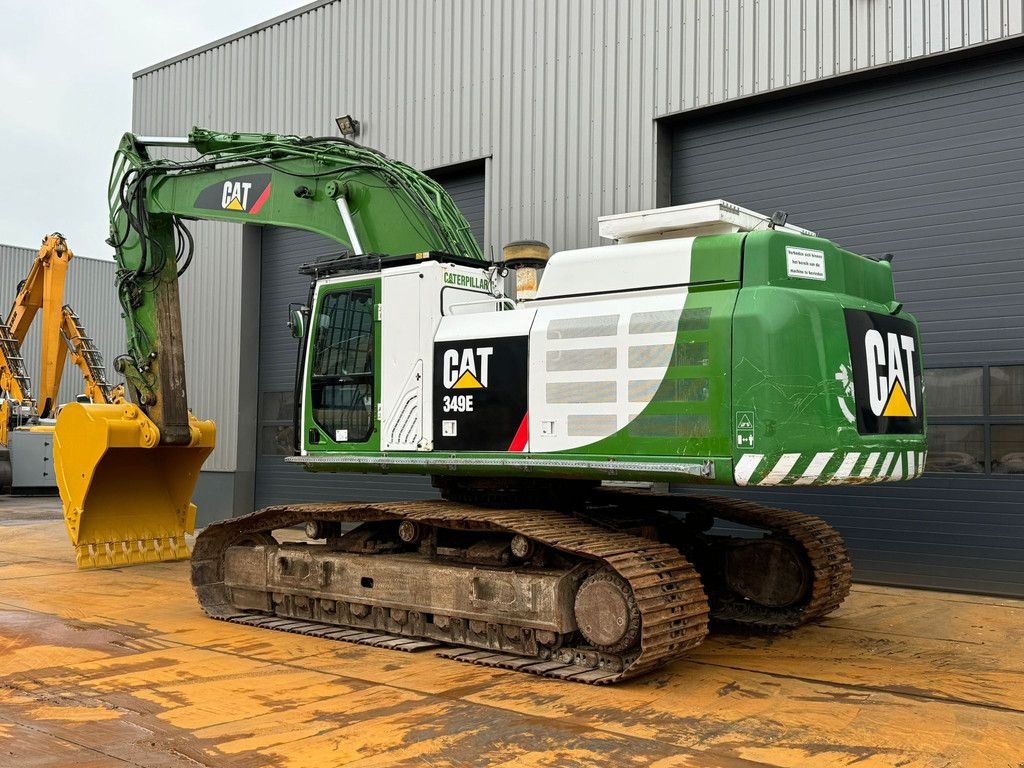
(341, 370)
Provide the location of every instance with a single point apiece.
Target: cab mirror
(297, 321)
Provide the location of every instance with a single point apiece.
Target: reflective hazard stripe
(897, 469)
(814, 469)
(846, 468)
(746, 466)
(869, 464)
(781, 469)
(875, 467)
(885, 466)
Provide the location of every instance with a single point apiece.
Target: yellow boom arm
(62, 332)
(86, 358)
(43, 289)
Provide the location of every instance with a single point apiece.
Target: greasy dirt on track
(120, 667)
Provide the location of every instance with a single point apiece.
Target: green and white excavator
(708, 345)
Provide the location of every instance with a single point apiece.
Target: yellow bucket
(127, 499)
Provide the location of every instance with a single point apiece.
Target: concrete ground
(120, 667)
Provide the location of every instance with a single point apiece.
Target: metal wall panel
(927, 166)
(213, 321)
(562, 96)
(89, 291)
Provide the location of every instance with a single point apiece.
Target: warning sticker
(805, 263)
(744, 429)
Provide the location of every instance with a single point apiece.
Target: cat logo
(480, 394)
(244, 194)
(891, 376)
(236, 195)
(886, 383)
(467, 369)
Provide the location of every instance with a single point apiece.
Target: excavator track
(829, 569)
(664, 590)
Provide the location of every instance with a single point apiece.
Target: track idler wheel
(606, 612)
(255, 539)
(769, 572)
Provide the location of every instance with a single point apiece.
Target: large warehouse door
(929, 166)
(283, 252)
(465, 184)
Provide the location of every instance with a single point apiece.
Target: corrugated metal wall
(89, 291)
(213, 321)
(562, 96)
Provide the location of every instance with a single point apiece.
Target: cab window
(341, 375)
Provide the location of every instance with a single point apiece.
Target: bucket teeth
(149, 551)
(113, 554)
(179, 548)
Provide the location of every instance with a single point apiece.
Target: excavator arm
(86, 357)
(333, 187)
(330, 186)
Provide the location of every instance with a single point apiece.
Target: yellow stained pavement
(120, 667)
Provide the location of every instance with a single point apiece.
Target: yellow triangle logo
(898, 405)
(468, 381)
(234, 205)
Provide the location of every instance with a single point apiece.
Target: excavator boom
(43, 290)
(334, 187)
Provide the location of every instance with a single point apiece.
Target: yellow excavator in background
(26, 421)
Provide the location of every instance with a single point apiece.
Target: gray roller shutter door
(465, 184)
(928, 165)
(283, 251)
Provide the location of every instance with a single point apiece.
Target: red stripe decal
(260, 201)
(522, 435)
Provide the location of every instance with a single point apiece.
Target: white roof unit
(713, 217)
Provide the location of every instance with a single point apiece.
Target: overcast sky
(66, 98)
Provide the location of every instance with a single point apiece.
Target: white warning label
(805, 263)
(744, 429)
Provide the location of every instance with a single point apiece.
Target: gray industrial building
(89, 292)
(887, 127)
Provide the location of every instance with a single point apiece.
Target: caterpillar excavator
(26, 421)
(709, 345)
